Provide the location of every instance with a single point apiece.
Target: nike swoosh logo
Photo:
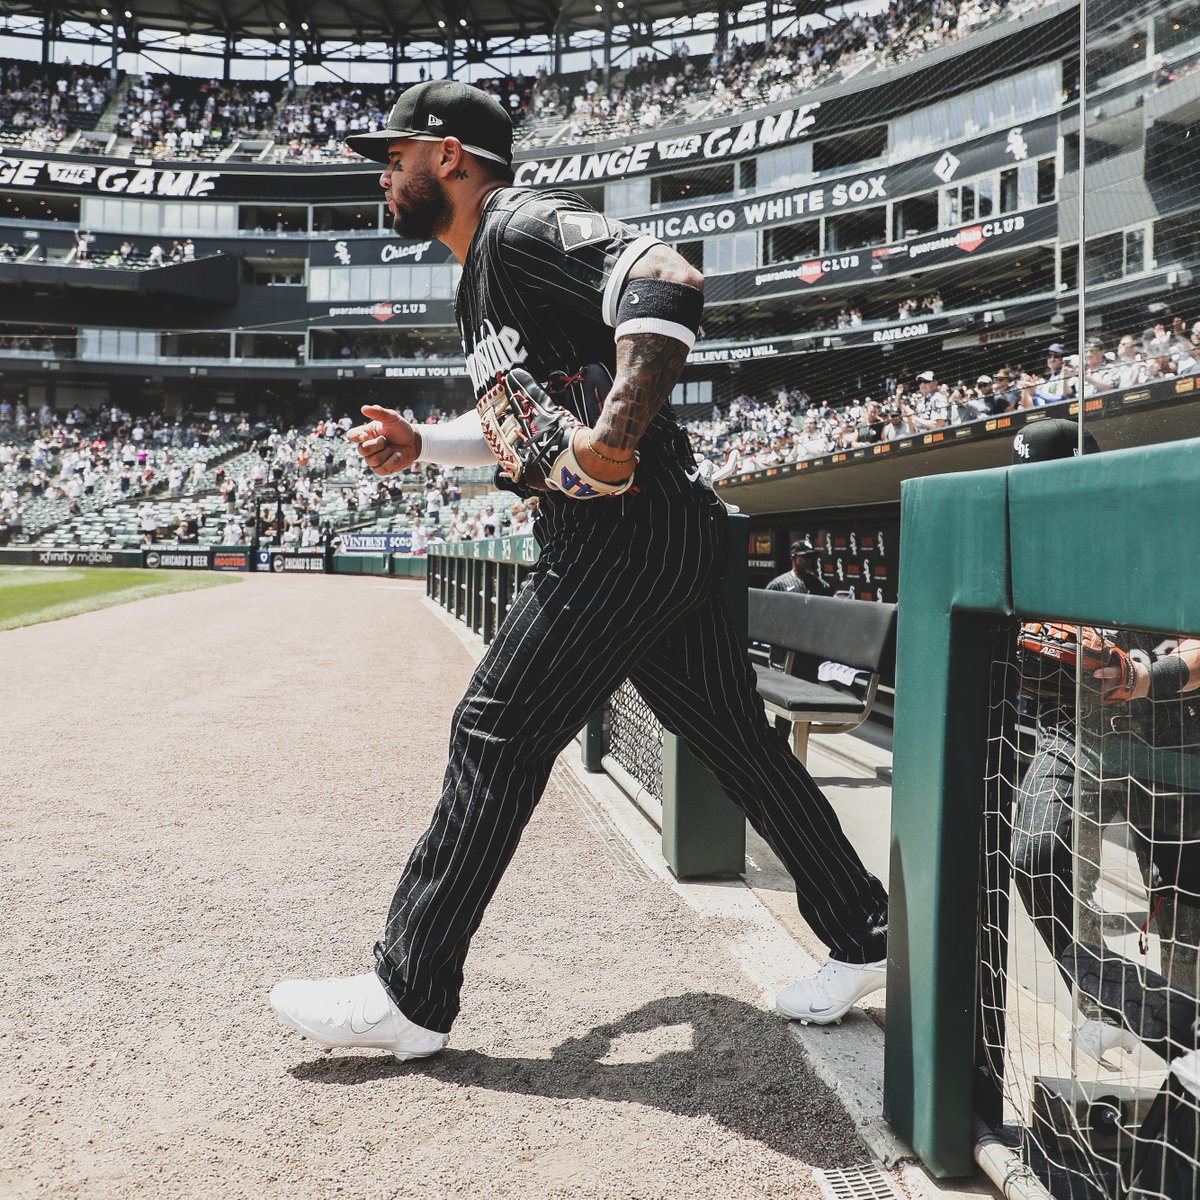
(359, 1021)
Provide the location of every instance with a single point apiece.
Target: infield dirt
(211, 791)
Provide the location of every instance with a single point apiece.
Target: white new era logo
(434, 121)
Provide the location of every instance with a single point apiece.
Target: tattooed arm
(648, 366)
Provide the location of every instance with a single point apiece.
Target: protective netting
(635, 738)
(1090, 915)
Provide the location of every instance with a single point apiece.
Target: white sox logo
(581, 229)
(493, 351)
(1016, 145)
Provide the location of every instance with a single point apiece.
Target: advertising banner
(384, 251)
(176, 560)
(230, 558)
(33, 557)
(404, 312)
(854, 266)
(307, 561)
(1006, 148)
(377, 543)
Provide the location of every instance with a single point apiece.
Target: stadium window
(1027, 185)
(747, 175)
(966, 202)
(985, 197)
(782, 167)
(693, 252)
(1177, 239)
(272, 218)
(1135, 251)
(267, 346)
(733, 252)
(949, 200)
(693, 185)
(1175, 28)
(1047, 182)
(698, 391)
(331, 218)
(1105, 259)
(1068, 269)
(43, 208)
(850, 149)
(853, 231)
(1105, 63)
(273, 274)
(318, 285)
(624, 197)
(1010, 190)
(914, 215)
(790, 243)
(196, 345)
(339, 283)
(381, 278)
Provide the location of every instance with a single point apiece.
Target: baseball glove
(1066, 645)
(530, 434)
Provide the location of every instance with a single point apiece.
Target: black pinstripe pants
(615, 594)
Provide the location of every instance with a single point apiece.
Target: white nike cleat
(352, 1011)
(831, 992)
(1096, 1038)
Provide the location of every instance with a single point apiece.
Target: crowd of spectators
(53, 467)
(752, 433)
(168, 116)
(299, 488)
(40, 105)
(748, 74)
(314, 127)
(658, 89)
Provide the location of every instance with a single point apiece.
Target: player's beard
(422, 209)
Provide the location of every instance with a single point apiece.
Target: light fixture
(304, 26)
(441, 24)
(104, 13)
(128, 15)
(462, 22)
(283, 26)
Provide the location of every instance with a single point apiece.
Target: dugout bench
(861, 634)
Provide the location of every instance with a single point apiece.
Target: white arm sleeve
(457, 443)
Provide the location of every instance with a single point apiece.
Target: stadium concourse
(616, 1042)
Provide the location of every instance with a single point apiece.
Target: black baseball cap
(1044, 441)
(804, 547)
(442, 108)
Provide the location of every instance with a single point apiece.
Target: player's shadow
(742, 1068)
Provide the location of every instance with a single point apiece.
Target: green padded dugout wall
(1109, 539)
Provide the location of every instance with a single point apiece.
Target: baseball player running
(575, 328)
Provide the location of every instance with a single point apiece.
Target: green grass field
(32, 594)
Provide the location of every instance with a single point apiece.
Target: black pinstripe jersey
(539, 290)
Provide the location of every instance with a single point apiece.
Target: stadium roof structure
(475, 28)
